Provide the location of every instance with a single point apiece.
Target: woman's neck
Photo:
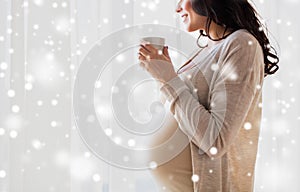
(217, 31)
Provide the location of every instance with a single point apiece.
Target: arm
(162, 97)
(230, 100)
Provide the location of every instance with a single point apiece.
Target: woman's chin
(189, 29)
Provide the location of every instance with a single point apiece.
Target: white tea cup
(157, 42)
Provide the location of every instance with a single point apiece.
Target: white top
(217, 105)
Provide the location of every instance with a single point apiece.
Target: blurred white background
(41, 46)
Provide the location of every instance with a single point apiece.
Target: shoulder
(242, 51)
(240, 43)
(241, 38)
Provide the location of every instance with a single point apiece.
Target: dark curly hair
(234, 15)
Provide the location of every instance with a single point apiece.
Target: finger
(166, 51)
(144, 65)
(151, 48)
(141, 56)
(144, 61)
(145, 57)
(144, 47)
(143, 52)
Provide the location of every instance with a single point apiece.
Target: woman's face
(190, 18)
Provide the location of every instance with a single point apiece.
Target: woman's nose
(178, 7)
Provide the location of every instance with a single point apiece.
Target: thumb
(165, 51)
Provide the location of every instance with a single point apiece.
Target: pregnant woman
(215, 98)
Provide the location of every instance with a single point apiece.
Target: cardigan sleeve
(232, 93)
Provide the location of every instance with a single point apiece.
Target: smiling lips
(184, 17)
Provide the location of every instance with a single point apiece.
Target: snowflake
(195, 178)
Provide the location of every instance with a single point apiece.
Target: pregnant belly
(175, 174)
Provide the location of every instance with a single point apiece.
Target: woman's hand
(158, 63)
